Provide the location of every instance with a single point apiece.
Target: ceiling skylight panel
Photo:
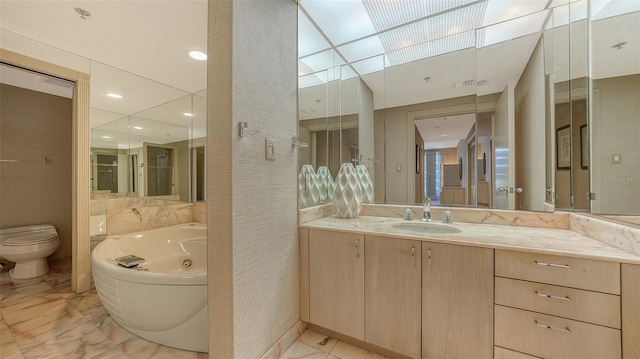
(362, 49)
(347, 72)
(317, 78)
(390, 13)
(322, 61)
(441, 26)
(512, 29)
(615, 8)
(501, 10)
(341, 21)
(368, 66)
(309, 38)
(431, 48)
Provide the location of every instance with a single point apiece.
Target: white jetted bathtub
(163, 299)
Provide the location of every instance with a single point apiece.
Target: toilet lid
(35, 238)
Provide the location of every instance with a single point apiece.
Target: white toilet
(28, 247)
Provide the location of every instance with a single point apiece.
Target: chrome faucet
(426, 210)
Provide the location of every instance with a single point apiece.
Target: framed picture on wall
(563, 148)
(584, 147)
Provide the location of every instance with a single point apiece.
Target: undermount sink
(426, 227)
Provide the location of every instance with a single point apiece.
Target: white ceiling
(149, 38)
(445, 132)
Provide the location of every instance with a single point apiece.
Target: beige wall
(33, 126)
(530, 111)
(563, 176)
(251, 202)
(616, 111)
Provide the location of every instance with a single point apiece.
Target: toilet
(28, 247)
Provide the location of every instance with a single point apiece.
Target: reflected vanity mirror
(518, 79)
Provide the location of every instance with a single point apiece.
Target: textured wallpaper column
(252, 207)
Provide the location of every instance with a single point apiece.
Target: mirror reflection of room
(524, 78)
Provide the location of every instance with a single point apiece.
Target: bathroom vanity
(489, 291)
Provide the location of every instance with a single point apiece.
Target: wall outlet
(270, 149)
(616, 159)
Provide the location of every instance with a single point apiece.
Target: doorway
(159, 171)
(107, 176)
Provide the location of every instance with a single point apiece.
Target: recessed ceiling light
(188, 114)
(114, 95)
(106, 137)
(137, 127)
(198, 55)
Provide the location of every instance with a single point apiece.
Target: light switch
(398, 168)
(270, 149)
(616, 159)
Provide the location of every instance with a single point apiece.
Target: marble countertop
(538, 240)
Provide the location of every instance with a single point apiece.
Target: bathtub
(163, 299)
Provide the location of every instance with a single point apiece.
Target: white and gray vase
(347, 195)
(366, 183)
(325, 183)
(308, 192)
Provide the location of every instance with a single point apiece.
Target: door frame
(80, 162)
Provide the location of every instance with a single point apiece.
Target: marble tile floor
(42, 318)
(309, 345)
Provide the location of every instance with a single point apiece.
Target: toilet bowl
(28, 247)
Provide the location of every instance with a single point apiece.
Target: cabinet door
(336, 281)
(457, 301)
(392, 294)
(630, 311)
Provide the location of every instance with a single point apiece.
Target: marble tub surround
(618, 235)
(528, 239)
(99, 205)
(135, 219)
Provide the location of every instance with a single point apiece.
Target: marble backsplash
(469, 215)
(618, 235)
(134, 219)
(100, 204)
(613, 233)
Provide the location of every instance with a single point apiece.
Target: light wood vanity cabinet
(336, 281)
(392, 294)
(557, 307)
(630, 311)
(457, 301)
(433, 300)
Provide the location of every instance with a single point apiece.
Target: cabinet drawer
(599, 276)
(593, 307)
(553, 337)
(502, 353)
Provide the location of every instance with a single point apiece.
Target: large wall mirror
(487, 104)
(149, 146)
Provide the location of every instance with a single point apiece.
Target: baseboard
(285, 341)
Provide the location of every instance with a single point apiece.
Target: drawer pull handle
(552, 296)
(565, 266)
(564, 330)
